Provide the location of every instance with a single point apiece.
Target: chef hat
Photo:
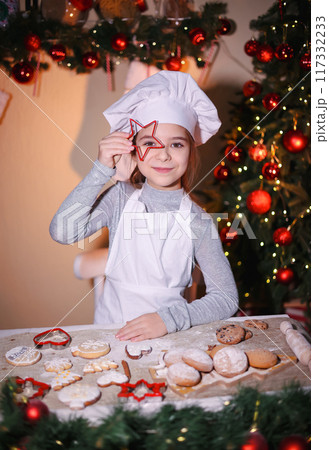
(167, 97)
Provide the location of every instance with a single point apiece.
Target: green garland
(282, 414)
(151, 40)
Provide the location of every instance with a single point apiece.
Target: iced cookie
(198, 359)
(23, 356)
(172, 357)
(230, 334)
(183, 375)
(57, 365)
(112, 378)
(260, 324)
(64, 379)
(230, 361)
(99, 365)
(260, 358)
(137, 350)
(79, 396)
(91, 349)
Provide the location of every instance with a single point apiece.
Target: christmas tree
(262, 182)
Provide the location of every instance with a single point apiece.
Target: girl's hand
(147, 326)
(112, 147)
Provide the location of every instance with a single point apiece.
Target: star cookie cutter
(56, 338)
(129, 390)
(30, 383)
(134, 131)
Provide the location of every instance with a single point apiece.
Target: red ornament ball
(173, 63)
(255, 441)
(285, 275)
(305, 61)
(265, 53)
(57, 52)
(119, 42)
(228, 235)
(90, 60)
(82, 5)
(259, 201)
(233, 153)
(294, 141)
(222, 172)
(293, 442)
(32, 42)
(271, 101)
(224, 27)
(258, 152)
(35, 410)
(23, 72)
(284, 52)
(271, 171)
(282, 236)
(251, 88)
(197, 36)
(251, 47)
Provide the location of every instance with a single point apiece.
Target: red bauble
(222, 172)
(227, 235)
(142, 6)
(255, 441)
(23, 72)
(251, 47)
(265, 53)
(258, 153)
(305, 61)
(293, 442)
(224, 27)
(259, 201)
(82, 5)
(173, 63)
(35, 410)
(284, 276)
(282, 236)
(119, 42)
(271, 101)
(251, 88)
(271, 171)
(57, 52)
(32, 42)
(294, 141)
(233, 153)
(197, 36)
(284, 52)
(90, 60)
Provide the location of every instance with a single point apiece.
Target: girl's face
(164, 167)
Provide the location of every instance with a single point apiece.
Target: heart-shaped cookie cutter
(55, 338)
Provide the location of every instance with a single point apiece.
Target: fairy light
(258, 127)
(246, 294)
(308, 210)
(239, 263)
(239, 170)
(284, 211)
(245, 168)
(117, 63)
(302, 88)
(181, 438)
(257, 118)
(154, 44)
(305, 100)
(266, 219)
(275, 270)
(281, 131)
(260, 177)
(239, 197)
(273, 28)
(199, 59)
(240, 215)
(185, 28)
(284, 108)
(227, 402)
(237, 206)
(218, 219)
(300, 99)
(251, 99)
(69, 64)
(307, 266)
(184, 430)
(274, 255)
(273, 213)
(228, 224)
(239, 128)
(277, 181)
(280, 165)
(275, 189)
(94, 31)
(183, 62)
(277, 245)
(262, 244)
(308, 124)
(292, 260)
(268, 280)
(289, 88)
(227, 253)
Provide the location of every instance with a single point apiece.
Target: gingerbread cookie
(230, 361)
(183, 375)
(137, 350)
(91, 349)
(99, 365)
(112, 378)
(198, 359)
(230, 334)
(79, 396)
(260, 358)
(172, 357)
(57, 365)
(23, 356)
(64, 379)
(260, 324)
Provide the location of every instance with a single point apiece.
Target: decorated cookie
(78, 396)
(230, 334)
(198, 359)
(137, 350)
(183, 375)
(99, 365)
(64, 379)
(172, 357)
(23, 356)
(260, 324)
(57, 365)
(230, 361)
(260, 358)
(91, 349)
(112, 378)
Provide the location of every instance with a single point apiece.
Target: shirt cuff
(168, 319)
(104, 172)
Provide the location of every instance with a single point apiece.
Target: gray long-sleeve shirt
(84, 212)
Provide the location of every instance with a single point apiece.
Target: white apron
(150, 262)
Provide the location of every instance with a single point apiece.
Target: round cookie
(198, 359)
(57, 365)
(215, 349)
(230, 361)
(78, 396)
(183, 375)
(260, 358)
(230, 334)
(173, 357)
(23, 356)
(91, 349)
(260, 324)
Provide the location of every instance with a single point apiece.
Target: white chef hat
(167, 97)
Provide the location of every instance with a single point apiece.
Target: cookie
(230, 334)
(137, 350)
(172, 357)
(260, 324)
(260, 358)
(215, 349)
(78, 396)
(57, 365)
(112, 378)
(64, 379)
(248, 335)
(285, 326)
(183, 375)
(91, 349)
(99, 365)
(230, 361)
(23, 356)
(198, 359)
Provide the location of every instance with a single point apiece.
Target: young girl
(157, 233)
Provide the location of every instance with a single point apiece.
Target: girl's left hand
(147, 326)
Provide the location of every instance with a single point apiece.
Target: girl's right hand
(111, 148)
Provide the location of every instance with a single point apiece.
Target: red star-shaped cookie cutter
(40, 388)
(127, 390)
(133, 132)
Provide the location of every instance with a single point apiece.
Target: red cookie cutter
(127, 390)
(47, 339)
(40, 388)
